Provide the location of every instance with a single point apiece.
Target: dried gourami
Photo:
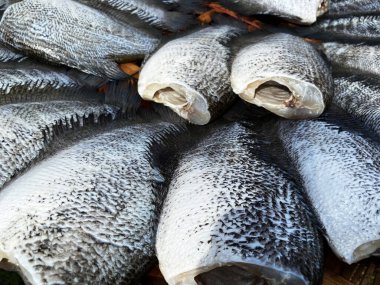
(234, 216)
(283, 74)
(190, 74)
(26, 130)
(353, 7)
(76, 35)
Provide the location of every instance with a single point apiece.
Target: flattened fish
(353, 7)
(283, 74)
(88, 214)
(73, 34)
(233, 216)
(360, 97)
(190, 75)
(353, 58)
(299, 11)
(27, 129)
(341, 175)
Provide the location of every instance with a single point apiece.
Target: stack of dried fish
(89, 195)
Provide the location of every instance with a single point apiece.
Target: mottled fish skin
(349, 28)
(341, 175)
(299, 11)
(88, 214)
(359, 97)
(230, 205)
(77, 36)
(191, 74)
(283, 74)
(143, 11)
(353, 58)
(26, 130)
(353, 7)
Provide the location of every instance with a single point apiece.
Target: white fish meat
(26, 130)
(234, 216)
(283, 74)
(353, 7)
(88, 214)
(73, 34)
(190, 75)
(341, 174)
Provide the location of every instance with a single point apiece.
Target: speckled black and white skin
(284, 74)
(88, 214)
(230, 207)
(73, 34)
(353, 7)
(190, 74)
(340, 169)
(298, 11)
(353, 58)
(360, 97)
(27, 129)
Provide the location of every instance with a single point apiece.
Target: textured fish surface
(9, 55)
(87, 215)
(191, 74)
(283, 74)
(360, 97)
(341, 174)
(299, 11)
(143, 11)
(73, 34)
(353, 58)
(27, 129)
(353, 7)
(233, 216)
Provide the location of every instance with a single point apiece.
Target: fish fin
(85, 79)
(178, 21)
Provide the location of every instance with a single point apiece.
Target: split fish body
(233, 216)
(77, 36)
(360, 97)
(26, 130)
(341, 175)
(283, 74)
(353, 7)
(87, 215)
(190, 75)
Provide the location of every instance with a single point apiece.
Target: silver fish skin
(27, 129)
(353, 7)
(77, 36)
(353, 58)
(88, 214)
(285, 75)
(142, 12)
(340, 170)
(298, 11)
(360, 97)
(233, 216)
(190, 75)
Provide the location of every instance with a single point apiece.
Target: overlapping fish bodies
(360, 97)
(77, 36)
(299, 11)
(233, 216)
(27, 129)
(341, 175)
(283, 74)
(353, 7)
(88, 214)
(191, 74)
(353, 58)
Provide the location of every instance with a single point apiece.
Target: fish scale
(28, 129)
(340, 170)
(230, 205)
(88, 214)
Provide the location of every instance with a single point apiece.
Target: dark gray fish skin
(353, 58)
(88, 214)
(27, 129)
(359, 97)
(349, 28)
(230, 204)
(73, 34)
(340, 169)
(353, 7)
